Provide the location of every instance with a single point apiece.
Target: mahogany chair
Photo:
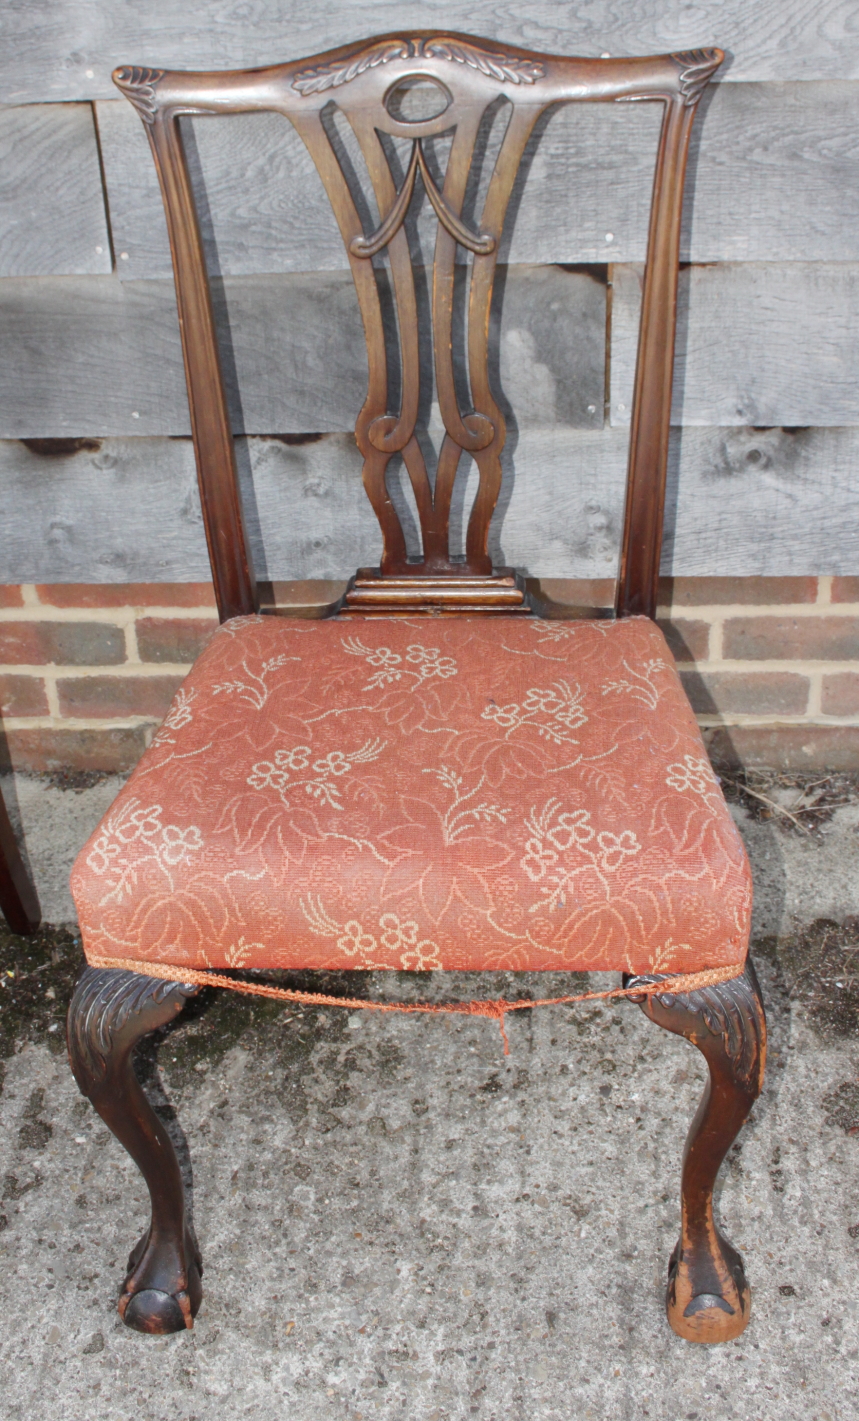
(434, 777)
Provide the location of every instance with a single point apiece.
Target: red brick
(176, 639)
(845, 589)
(22, 695)
(747, 692)
(61, 644)
(44, 751)
(127, 594)
(841, 694)
(725, 591)
(112, 697)
(800, 747)
(791, 638)
(687, 640)
(10, 595)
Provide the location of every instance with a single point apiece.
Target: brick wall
(771, 665)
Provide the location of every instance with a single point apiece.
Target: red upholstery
(445, 793)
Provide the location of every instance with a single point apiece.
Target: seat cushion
(469, 793)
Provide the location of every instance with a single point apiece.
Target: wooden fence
(95, 464)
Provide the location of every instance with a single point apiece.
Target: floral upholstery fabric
(463, 793)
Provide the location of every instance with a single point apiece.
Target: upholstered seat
(432, 793)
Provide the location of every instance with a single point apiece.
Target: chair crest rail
(469, 76)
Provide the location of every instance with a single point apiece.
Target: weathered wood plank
(125, 510)
(756, 344)
(265, 207)
(98, 356)
(586, 174)
(744, 502)
(741, 501)
(67, 51)
(762, 502)
(52, 218)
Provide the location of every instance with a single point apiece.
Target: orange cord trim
(495, 1009)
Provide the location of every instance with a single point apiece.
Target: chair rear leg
(708, 1296)
(18, 901)
(109, 1013)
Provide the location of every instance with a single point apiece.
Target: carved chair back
(367, 83)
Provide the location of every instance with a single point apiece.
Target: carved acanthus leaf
(330, 76)
(104, 1000)
(138, 86)
(696, 67)
(506, 68)
(730, 1010)
(501, 65)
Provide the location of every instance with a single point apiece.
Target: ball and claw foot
(110, 1011)
(707, 1316)
(149, 1303)
(708, 1296)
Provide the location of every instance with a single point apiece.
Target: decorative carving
(500, 65)
(696, 67)
(341, 71)
(729, 1010)
(481, 243)
(109, 1013)
(138, 85)
(505, 67)
(708, 1297)
(103, 1003)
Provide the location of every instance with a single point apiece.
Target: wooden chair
(434, 777)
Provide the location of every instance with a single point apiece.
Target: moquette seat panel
(457, 793)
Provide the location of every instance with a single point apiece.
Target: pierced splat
(382, 432)
(362, 81)
(481, 243)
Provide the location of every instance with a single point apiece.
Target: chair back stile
(469, 75)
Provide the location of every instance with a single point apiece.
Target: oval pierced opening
(417, 99)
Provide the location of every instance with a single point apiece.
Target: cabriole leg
(708, 1296)
(110, 1012)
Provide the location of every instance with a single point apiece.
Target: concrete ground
(399, 1222)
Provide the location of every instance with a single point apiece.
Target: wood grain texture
(67, 51)
(52, 217)
(741, 502)
(98, 356)
(753, 148)
(757, 344)
(263, 206)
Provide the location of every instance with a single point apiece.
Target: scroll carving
(501, 65)
(696, 67)
(138, 86)
(481, 243)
